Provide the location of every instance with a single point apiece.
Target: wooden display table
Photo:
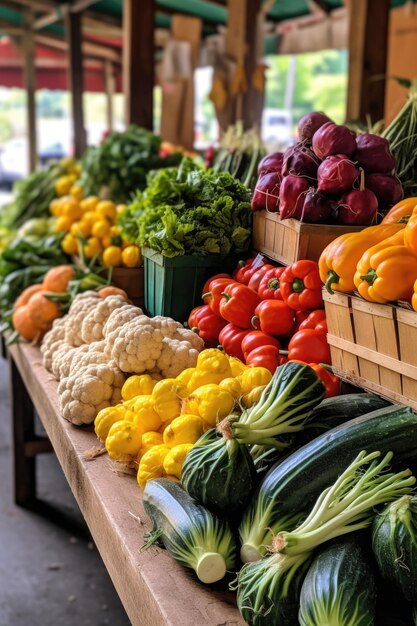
(153, 588)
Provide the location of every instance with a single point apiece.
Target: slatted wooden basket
(374, 346)
(288, 241)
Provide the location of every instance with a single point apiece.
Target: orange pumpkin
(24, 325)
(42, 311)
(26, 295)
(112, 291)
(57, 279)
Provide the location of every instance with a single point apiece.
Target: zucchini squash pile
(305, 506)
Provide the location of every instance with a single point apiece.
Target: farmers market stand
(153, 588)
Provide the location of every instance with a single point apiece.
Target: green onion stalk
(402, 136)
(268, 590)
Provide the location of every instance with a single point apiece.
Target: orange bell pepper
(410, 233)
(400, 213)
(364, 263)
(414, 297)
(391, 274)
(337, 263)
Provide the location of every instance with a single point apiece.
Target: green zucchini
(339, 588)
(209, 475)
(288, 490)
(392, 609)
(193, 536)
(219, 471)
(394, 542)
(330, 413)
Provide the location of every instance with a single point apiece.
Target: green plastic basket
(173, 286)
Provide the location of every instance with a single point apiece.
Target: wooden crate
(288, 241)
(131, 279)
(374, 346)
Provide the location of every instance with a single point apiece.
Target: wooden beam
(138, 61)
(37, 5)
(368, 43)
(81, 5)
(28, 43)
(10, 29)
(75, 79)
(57, 15)
(110, 84)
(251, 96)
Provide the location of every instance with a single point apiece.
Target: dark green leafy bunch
(32, 196)
(121, 163)
(190, 211)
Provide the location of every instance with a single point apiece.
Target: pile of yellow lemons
(91, 223)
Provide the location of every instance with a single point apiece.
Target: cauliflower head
(137, 345)
(52, 341)
(79, 309)
(92, 328)
(87, 391)
(175, 357)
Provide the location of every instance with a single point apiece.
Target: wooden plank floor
(154, 589)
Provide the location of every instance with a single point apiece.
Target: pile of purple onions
(330, 176)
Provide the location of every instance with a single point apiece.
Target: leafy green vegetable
(32, 196)
(120, 164)
(190, 211)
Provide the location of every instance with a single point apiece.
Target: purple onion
(358, 207)
(300, 161)
(266, 194)
(270, 163)
(309, 123)
(291, 196)
(388, 190)
(332, 139)
(317, 208)
(336, 174)
(373, 154)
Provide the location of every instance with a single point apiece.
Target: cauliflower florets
(136, 346)
(79, 309)
(175, 357)
(93, 323)
(88, 390)
(185, 334)
(52, 340)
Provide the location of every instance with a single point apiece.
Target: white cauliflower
(61, 360)
(87, 354)
(88, 390)
(120, 317)
(52, 341)
(185, 334)
(175, 357)
(166, 325)
(136, 346)
(79, 309)
(95, 320)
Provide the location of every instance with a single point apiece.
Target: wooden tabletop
(153, 588)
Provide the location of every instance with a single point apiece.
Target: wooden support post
(138, 61)
(28, 42)
(368, 42)
(75, 79)
(110, 91)
(23, 431)
(251, 108)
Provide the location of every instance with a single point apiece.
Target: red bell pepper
(329, 380)
(309, 346)
(206, 287)
(206, 325)
(238, 304)
(316, 320)
(266, 356)
(257, 338)
(301, 286)
(256, 278)
(214, 295)
(231, 338)
(269, 286)
(245, 269)
(300, 316)
(274, 317)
